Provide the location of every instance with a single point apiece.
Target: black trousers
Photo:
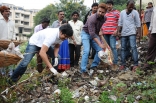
(74, 50)
(151, 53)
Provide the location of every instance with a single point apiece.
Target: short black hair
(75, 12)
(45, 20)
(64, 21)
(59, 11)
(110, 2)
(95, 4)
(66, 29)
(130, 1)
(150, 3)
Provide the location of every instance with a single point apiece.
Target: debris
(113, 97)
(57, 92)
(86, 98)
(64, 75)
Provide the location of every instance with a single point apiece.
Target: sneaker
(85, 75)
(122, 68)
(114, 67)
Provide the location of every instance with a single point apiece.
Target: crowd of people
(62, 41)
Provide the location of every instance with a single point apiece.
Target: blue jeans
(132, 41)
(29, 53)
(111, 40)
(86, 41)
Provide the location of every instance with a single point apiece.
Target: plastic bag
(13, 50)
(105, 56)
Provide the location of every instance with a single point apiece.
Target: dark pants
(39, 63)
(74, 49)
(151, 53)
(148, 24)
(92, 52)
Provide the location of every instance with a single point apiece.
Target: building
(23, 19)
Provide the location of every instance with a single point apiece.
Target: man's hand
(100, 33)
(115, 33)
(56, 62)
(43, 54)
(53, 71)
(144, 22)
(74, 42)
(103, 46)
(138, 36)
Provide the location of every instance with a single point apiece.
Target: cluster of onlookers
(62, 40)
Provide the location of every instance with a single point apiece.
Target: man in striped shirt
(109, 29)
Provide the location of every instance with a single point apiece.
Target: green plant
(66, 96)
(23, 47)
(63, 82)
(104, 97)
(151, 63)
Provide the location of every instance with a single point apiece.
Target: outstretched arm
(43, 54)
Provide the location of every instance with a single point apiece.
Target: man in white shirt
(151, 54)
(7, 26)
(43, 41)
(75, 43)
(44, 24)
(7, 30)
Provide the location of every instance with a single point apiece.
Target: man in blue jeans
(43, 42)
(90, 35)
(129, 21)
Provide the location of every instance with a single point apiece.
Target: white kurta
(7, 29)
(77, 28)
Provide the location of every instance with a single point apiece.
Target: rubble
(46, 87)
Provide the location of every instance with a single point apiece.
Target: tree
(49, 12)
(69, 6)
(118, 4)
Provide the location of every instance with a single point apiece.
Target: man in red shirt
(109, 29)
